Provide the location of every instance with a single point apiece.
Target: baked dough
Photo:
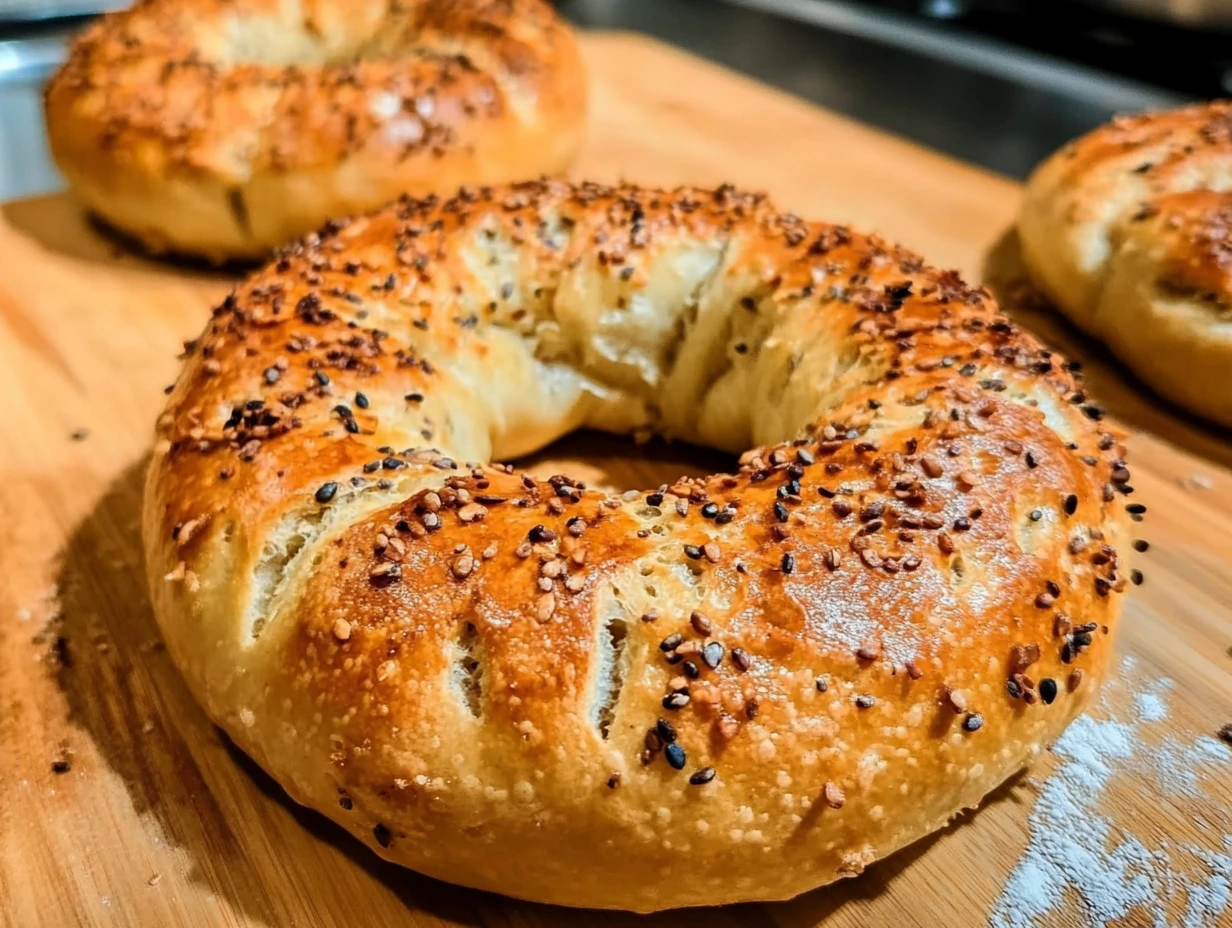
(1128, 231)
(224, 128)
(895, 599)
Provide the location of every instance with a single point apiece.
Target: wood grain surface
(158, 821)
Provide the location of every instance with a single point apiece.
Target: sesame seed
(833, 796)
(741, 659)
(326, 492)
(675, 701)
(1071, 504)
(780, 511)
(385, 571)
(822, 684)
(1044, 600)
(973, 722)
(1136, 577)
(1048, 690)
(541, 534)
(702, 777)
(866, 701)
(675, 756)
(692, 552)
(701, 623)
(712, 655)
(666, 731)
(1141, 545)
(788, 563)
(712, 551)
(671, 642)
(956, 699)
(752, 708)
(61, 766)
(691, 670)
(613, 781)
(382, 835)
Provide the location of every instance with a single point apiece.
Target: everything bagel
(734, 688)
(224, 128)
(1128, 230)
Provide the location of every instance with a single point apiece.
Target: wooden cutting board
(158, 821)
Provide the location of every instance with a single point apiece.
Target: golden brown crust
(1126, 230)
(466, 667)
(227, 128)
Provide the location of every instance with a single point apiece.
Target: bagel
(1126, 230)
(731, 688)
(225, 128)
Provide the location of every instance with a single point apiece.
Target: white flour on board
(1080, 855)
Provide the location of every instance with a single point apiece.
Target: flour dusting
(1078, 852)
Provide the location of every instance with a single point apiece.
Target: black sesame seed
(671, 642)
(1136, 509)
(322, 378)
(1071, 504)
(709, 511)
(866, 701)
(361, 400)
(61, 766)
(1141, 544)
(692, 552)
(414, 397)
(654, 499)
(973, 722)
(1012, 687)
(822, 684)
(780, 512)
(675, 756)
(666, 731)
(702, 777)
(326, 492)
(382, 835)
(541, 534)
(788, 563)
(712, 654)
(1048, 690)
(1036, 515)
(675, 700)
(1136, 577)
(741, 659)
(691, 670)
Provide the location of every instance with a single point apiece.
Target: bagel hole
(613, 668)
(468, 672)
